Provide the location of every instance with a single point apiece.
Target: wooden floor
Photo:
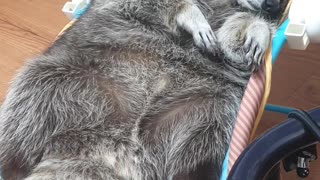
(27, 27)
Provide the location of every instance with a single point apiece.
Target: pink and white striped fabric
(247, 115)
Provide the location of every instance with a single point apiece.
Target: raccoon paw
(194, 22)
(256, 43)
(204, 38)
(254, 51)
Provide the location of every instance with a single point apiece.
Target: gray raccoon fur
(126, 94)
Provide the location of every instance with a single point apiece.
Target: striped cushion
(251, 109)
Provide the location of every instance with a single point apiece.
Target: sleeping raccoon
(136, 89)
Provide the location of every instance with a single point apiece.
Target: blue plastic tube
(79, 12)
(278, 109)
(279, 40)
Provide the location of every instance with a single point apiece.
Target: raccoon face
(269, 6)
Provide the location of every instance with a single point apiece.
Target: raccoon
(135, 89)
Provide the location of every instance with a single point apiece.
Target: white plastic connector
(297, 36)
(304, 24)
(296, 31)
(70, 8)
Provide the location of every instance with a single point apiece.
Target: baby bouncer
(292, 141)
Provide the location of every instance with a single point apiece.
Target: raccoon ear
(234, 3)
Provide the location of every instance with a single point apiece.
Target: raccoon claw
(254, 53)
(194, 22)
(205, 39)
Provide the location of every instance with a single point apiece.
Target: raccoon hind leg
(190, 129)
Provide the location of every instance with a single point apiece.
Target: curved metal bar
(279, 142)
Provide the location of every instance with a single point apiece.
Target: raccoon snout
(271, 6)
